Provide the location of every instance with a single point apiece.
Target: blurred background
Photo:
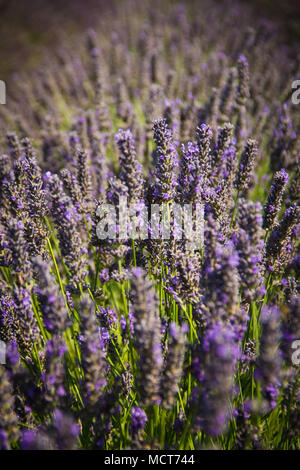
(27, 27)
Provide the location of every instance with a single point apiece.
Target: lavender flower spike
(218, 359)
(245, 171)
(8, 418)
(173, 365)
(147, 329)
(165, 159)
(131, 171)
(51, 302)
(268, 370)
(273, 204)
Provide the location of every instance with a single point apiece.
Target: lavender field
(163, 336)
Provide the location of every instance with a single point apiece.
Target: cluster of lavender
(144, 342)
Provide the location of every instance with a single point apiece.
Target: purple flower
(138, 420)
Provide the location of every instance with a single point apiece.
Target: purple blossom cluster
(148, 343)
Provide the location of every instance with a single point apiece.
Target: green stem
(133, 251)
